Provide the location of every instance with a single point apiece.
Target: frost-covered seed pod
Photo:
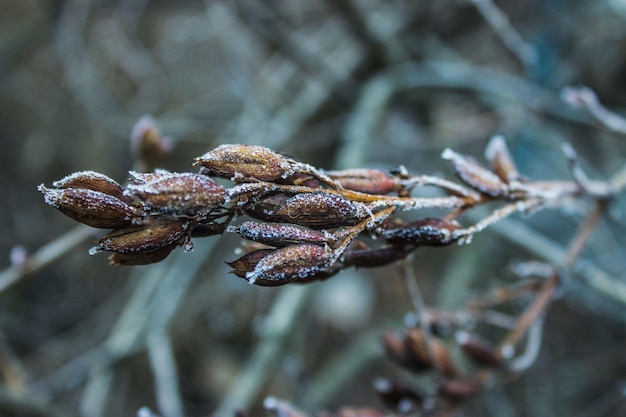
(93, 208)
(319, 211)
(154, 235)
(245, 161)
(370, 181)
(281, 234)
(422, 232)
(475, 175)
(91, 180)
(146, 258)
(295, 263)
(181, 193)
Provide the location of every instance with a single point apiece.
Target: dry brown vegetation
(353, 103)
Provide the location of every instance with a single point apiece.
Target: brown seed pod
(245, 161)
(280, 234)
(318, 211)
(479, 351)
(149, 237)
(370, 181)
(420, 353)
(248, 262)
(396, 350)
(181, 193)
(300, 263)
(502, 164)
(475, 175)
(422, 232)
(372, 257)
(459, 389)
(93, 208)
(91, 180)
(128, 259)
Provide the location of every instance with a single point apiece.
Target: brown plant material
(182, 193)
(318, 222)
(423, 232)
(149, 237)
(93, 208)
(319, 211)
(479, 351)
(370, 181)
(281, 234)
(475, 175)
(295, 263)
(245, 161)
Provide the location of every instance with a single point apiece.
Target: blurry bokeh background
(337, 84)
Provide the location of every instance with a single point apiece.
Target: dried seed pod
(149, 237)
(459, 389)
(248, 262)
(475, 175)
(182, 193)
(370, 181)
(91, 180)
(128, 259)
(319, 211)
(301, 263)
(497, 153)
(396, 350)
(372, 257)
(280, 234)
(245, 161)
(147, 143)
(426, 232)
(93, 208)
(420, 353)
(479, 351)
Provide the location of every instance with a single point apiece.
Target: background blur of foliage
(75, 75)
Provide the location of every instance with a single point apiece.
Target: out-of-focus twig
(46, 255)
(502, 26)
(585, 98)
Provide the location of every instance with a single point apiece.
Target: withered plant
(303, 224)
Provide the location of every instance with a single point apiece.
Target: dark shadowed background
(338, 84)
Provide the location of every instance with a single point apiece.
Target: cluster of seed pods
(308, 223)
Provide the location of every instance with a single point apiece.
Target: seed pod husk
(420, 353)
(475, 175)
(300, 263)
(91, 180)
(182, 193)
(318, 211)
(459, 389)
(149, 237)
(280, 234)
(248, 262)
(502, 164)
(396, 350)
(372, 257)
(93, 208)
(245, 161)
(479, 351)
(422, 232)
(146, 258)
(370, 181)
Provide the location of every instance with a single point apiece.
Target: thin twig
(46, 255)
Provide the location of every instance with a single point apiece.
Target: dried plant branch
(46, 255)
(585, 98)
(313, 223)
